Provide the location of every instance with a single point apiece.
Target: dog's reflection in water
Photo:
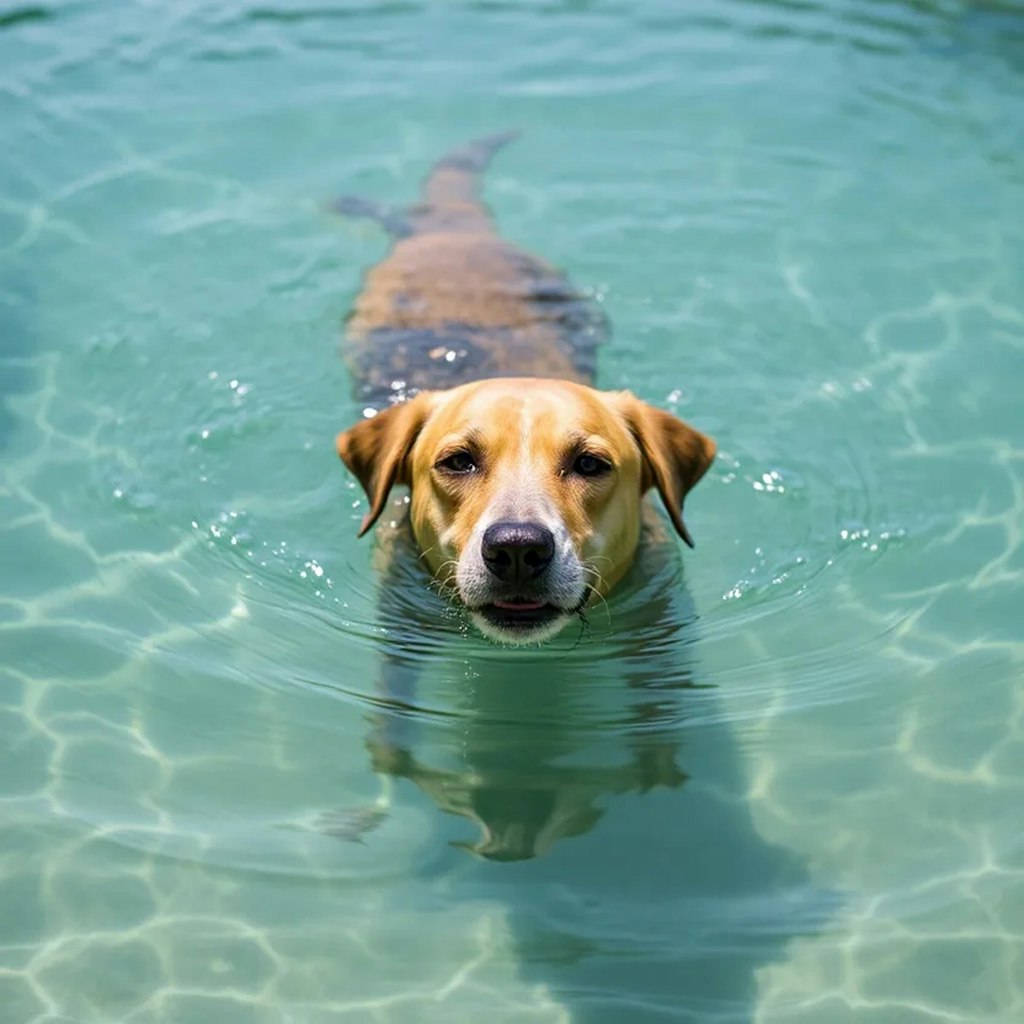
(536, 742)
(512, 785)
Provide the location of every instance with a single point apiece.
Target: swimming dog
(475, 362)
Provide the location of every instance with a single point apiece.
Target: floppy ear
(376, 451)
(675, 455)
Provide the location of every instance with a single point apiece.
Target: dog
(475, 363)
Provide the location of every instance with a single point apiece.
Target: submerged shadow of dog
(599, 785)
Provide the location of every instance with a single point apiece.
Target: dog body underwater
(476, 362)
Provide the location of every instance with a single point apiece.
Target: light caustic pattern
(811, 249)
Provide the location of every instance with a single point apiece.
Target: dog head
(526, 493)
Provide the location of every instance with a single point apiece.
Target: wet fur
(453, 302)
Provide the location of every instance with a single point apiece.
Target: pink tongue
(519, 606)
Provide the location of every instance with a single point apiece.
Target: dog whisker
(597, 590)
(446, 591)
(423, 554)
(584, 633)
(448, 570)
(600, 583)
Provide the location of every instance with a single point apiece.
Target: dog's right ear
(376, 450)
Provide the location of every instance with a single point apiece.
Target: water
(785, 786)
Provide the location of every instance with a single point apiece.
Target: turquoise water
(804, 222)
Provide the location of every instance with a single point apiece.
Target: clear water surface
(785, 786)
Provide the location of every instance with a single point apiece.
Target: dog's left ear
(376, 451)
(676, 456)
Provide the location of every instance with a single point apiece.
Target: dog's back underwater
(453, 302)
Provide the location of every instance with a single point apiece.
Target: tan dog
(526, 484)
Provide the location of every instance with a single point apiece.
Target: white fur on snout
(519, 637)
(563, 584)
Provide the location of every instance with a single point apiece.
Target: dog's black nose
(517, 552)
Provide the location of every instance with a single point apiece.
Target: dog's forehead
(508, 409)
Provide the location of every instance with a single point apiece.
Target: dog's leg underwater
(392, 220)
(388, 738)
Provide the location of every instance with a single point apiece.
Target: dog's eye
(457, 462)
(590, 465)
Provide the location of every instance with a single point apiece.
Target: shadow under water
(606, 805)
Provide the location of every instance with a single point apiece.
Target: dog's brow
(472, 438)
(577, 440)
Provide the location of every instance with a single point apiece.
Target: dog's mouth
(527, 617)
(519, 614)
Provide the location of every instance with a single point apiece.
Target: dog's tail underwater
(455, 179)
(450, 196)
